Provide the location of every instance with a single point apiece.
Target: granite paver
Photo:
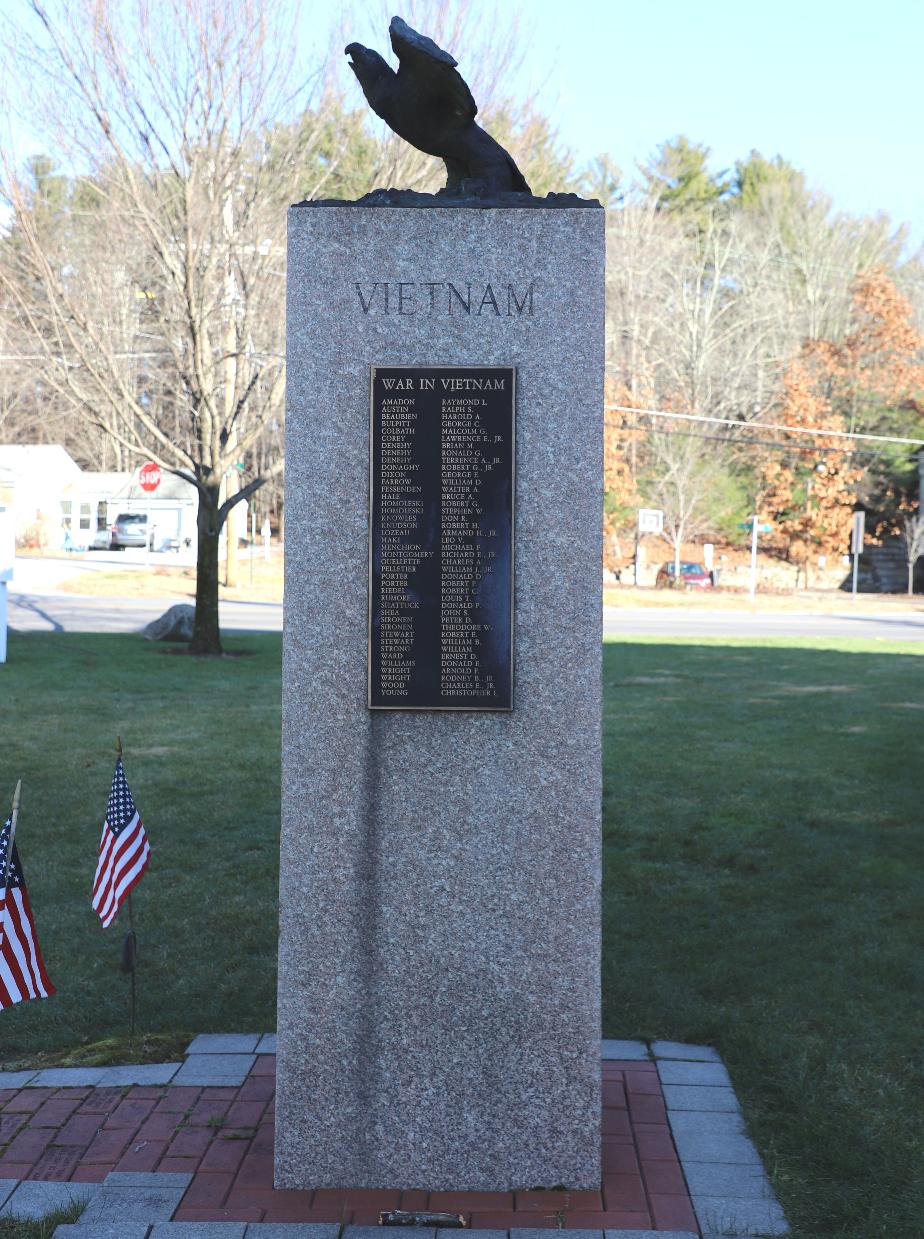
(721, 1217)
(625, 1050)
(527, 1233)
(706, 1121)
(267, 1044)
(143, 1073)
(199, 1230)
(700, 1097)
(7, 1186)
(716, 1146)
(674, 1072)
(132, 1204)
(446, 1232)
(123, 1179)
(215, 1069)
(103, 1230)
(224, 1043)
(67, 1077)
(375, 1232)
(686, 1053)
(16, 1079)
(33, 1198)
(728, 1179)
(646, 1234)
(297, 1230)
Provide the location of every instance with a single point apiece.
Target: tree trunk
(206, 638)
(910, 577)
(232, 556)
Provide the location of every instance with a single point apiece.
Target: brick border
(667, 1105)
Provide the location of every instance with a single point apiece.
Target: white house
(171, 508)
(40, 472)
(56, 504)
(86, 508)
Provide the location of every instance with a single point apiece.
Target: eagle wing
(433, 70)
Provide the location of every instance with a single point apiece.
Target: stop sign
(149, 476)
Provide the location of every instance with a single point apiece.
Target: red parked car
(692, 576)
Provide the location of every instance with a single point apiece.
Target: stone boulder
(176, 624)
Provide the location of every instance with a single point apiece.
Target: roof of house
(24, 459)
(99, 485)
(171, 487)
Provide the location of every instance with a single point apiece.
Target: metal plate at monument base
(441, 538)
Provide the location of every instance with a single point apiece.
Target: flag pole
(129, 944)
(9, 852)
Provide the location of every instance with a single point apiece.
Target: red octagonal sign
(149, 476)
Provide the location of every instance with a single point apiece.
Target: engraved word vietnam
(431, 297)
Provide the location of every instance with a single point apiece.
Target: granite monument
(439, 979)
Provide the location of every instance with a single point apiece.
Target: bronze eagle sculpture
(428, 103)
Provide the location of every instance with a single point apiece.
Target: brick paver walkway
(224, 1138)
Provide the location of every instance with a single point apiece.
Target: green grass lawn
(762, 875)
(763, 845)
(41, 1228)
(201, 741)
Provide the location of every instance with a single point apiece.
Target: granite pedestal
(439, 981)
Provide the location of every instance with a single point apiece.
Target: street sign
(857, 533)
(760, 528)
(650, 520)
(149, 476)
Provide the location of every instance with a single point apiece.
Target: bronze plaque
(441, 538)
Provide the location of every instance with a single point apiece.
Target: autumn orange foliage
(809, 492)
(882, 356)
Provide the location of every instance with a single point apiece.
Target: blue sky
(834, 87)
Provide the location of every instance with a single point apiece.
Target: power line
(728, 421)
(697, 434)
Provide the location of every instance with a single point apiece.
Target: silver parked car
(129, 529)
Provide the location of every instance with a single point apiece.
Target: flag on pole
(123, 851)
(22, 969)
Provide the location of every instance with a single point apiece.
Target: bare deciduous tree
(160, 318)
(681, 475)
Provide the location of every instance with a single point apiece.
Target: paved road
(75, 613)
(664, 622)
(57, 612)
(37, 604)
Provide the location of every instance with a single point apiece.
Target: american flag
(123, 851)
(22, 969)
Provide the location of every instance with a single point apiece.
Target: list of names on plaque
(441, 538)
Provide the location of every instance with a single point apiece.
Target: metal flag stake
(129, 952)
